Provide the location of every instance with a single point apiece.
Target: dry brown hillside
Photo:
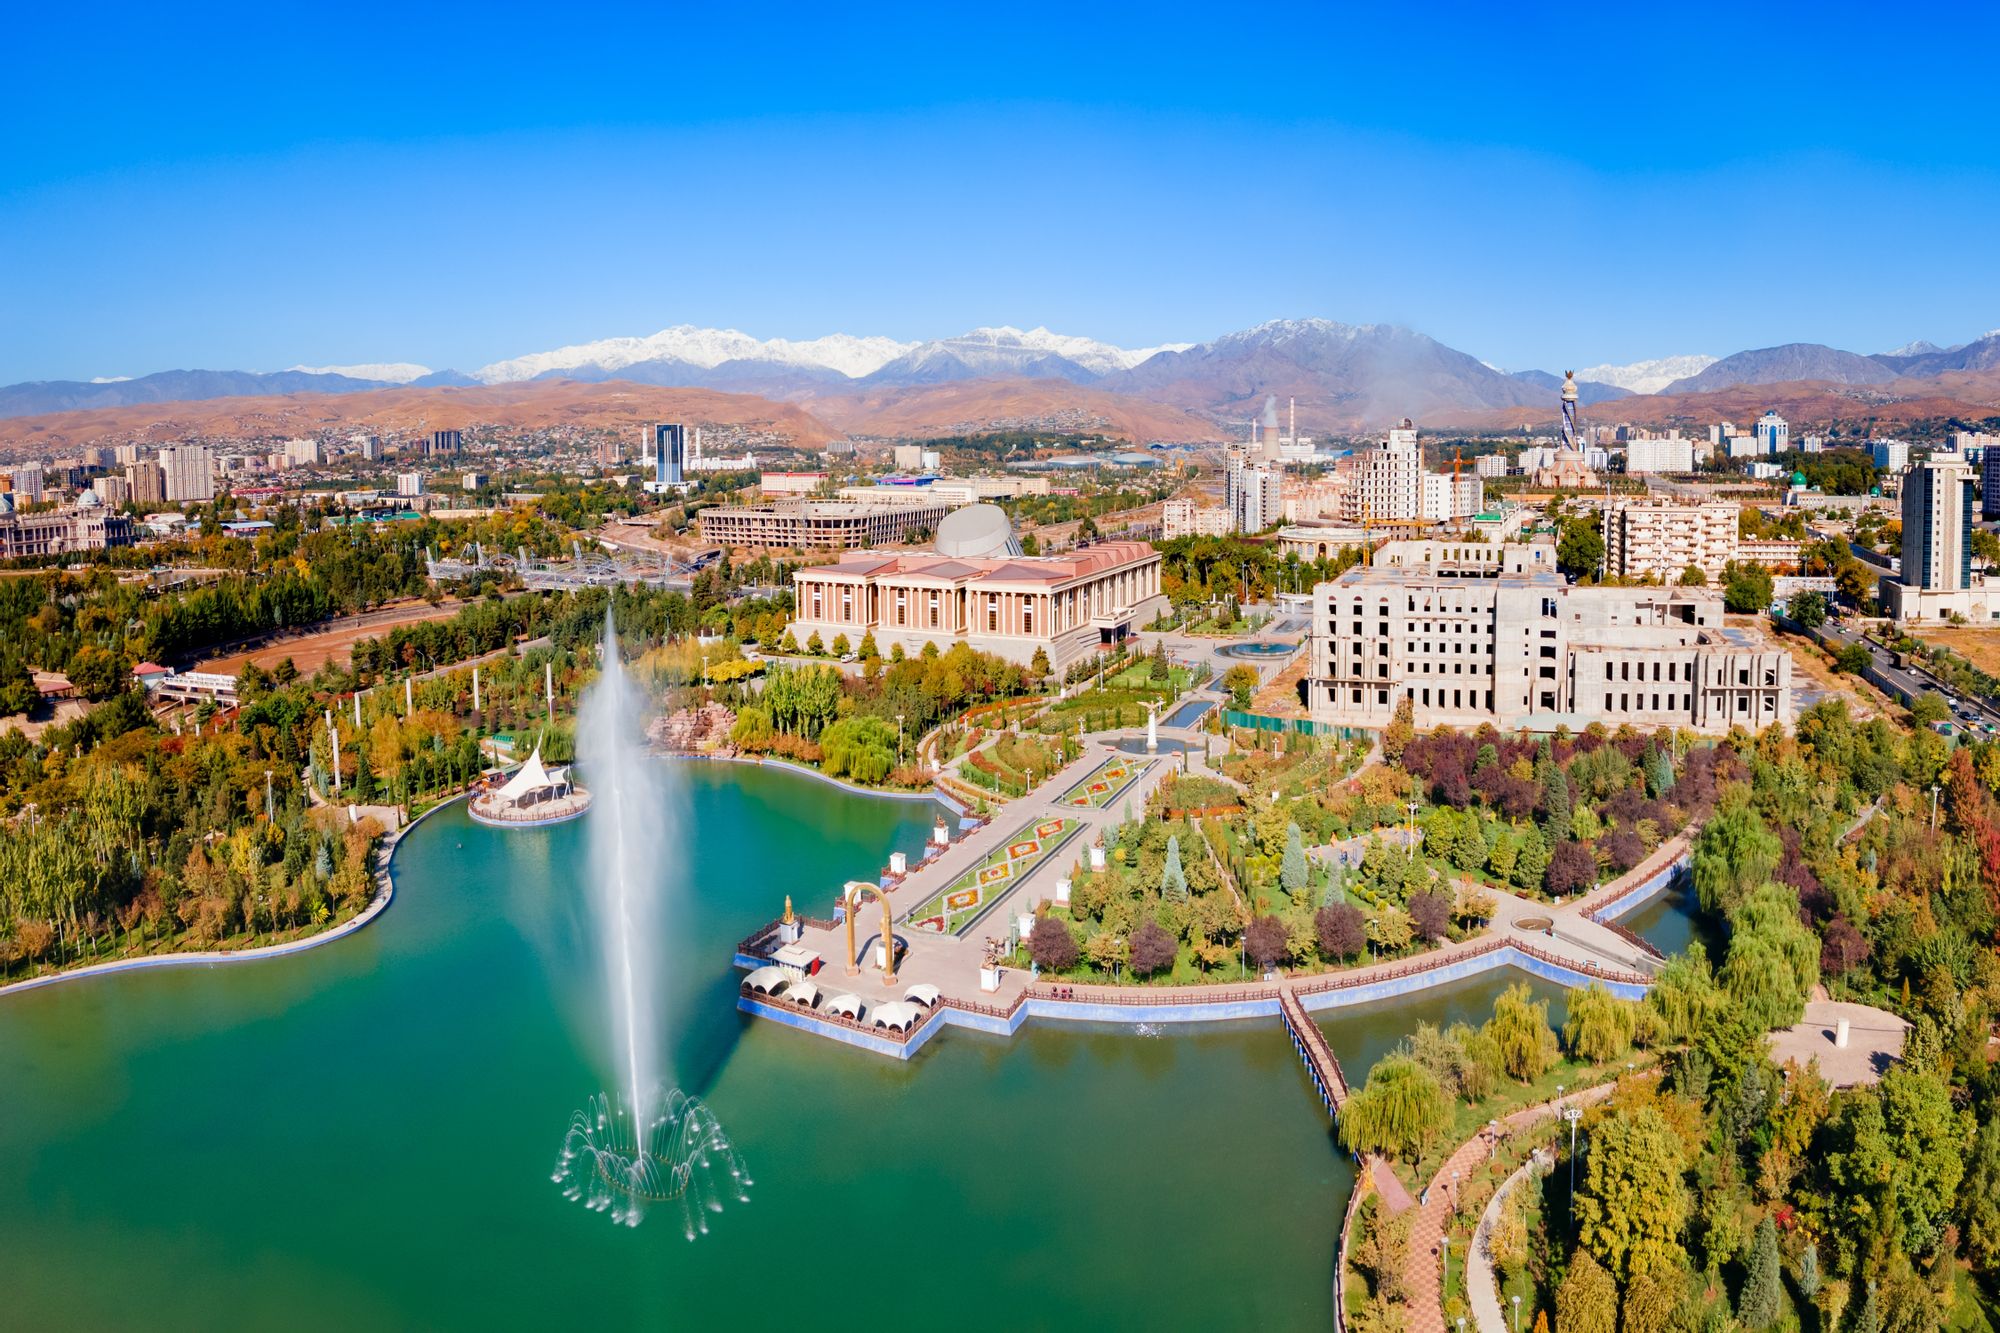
(540, 403)
(1026, 404)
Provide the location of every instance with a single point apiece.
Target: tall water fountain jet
(649, 1142)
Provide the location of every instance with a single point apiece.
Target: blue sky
(259, 187)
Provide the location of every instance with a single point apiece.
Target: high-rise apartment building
(113, 492)
(1937, 525)
(27, 482)
(1389, 479)
(304, 453)
(190, 472)
(1256, 494)
(1659, 538)
(1774, 434)
(666, 454)
(409, 483)
(1989, 484)
(1889, 455)
(446, 442)
(1672, 454)
(146, 483)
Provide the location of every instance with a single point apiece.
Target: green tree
(1746, 587)
(1632, 1205)
(1241, 681)
(1038, 666)
(1580, 550)
(1762, 1292)
(1980, 1200)
(98, 673)
(1519, 1030)
(1694, 576)
(1293, 873)
(1397, 1112)
(1929, 707)
(1853, 659)
(1173, 880)
(1734, 855)
(1807, 608)
(1600, 1025)
(1587, 1300)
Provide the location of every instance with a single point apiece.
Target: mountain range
(1341, 377)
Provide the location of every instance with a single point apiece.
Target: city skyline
(1138, 181)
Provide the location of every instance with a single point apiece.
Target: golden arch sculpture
(857, 889)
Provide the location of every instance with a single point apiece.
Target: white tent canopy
(769, 980)
(922, 993)
(847, 1003)
(803, 992)
(898, 1014)
(532, 778)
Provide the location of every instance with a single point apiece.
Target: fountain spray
(661, 1144)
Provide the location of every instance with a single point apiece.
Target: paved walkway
(952, 962)
(1426, 1264)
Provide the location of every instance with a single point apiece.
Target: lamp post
(1517, 1313)
(899, 738)
(1573, 1114)
(1412, 807)
(269, 818)
(1934, 794)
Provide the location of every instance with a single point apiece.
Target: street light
(1413, 828)
(899, 738)
(1517, 1313)
(1573, 1114)
(1934, 792)
(269, 818)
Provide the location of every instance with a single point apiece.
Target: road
(1915, 681)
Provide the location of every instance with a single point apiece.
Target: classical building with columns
(1481, 632)
(1067, 605)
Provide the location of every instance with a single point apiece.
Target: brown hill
(971, 406)
(532, 405)
(1806, 404)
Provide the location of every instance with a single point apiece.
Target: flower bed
(1103, 784)
(954, 908)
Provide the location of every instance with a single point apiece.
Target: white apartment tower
(1774, 436)
(1389, 481)
(190, 472)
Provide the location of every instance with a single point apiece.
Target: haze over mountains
(1344, 377)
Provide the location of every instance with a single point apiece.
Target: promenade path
(952, 962)
(1426, 1270)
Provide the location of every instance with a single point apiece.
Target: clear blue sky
(253, 187)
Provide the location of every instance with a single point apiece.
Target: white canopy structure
(898, 1014)
(533, 782)
(849, 1004)
(769, 980)
(922, 993)
(803, 992)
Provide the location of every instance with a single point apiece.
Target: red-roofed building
(1067, 605)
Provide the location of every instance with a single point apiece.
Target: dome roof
(1799, 479)
(977, 532)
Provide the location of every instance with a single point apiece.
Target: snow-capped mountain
(704, 349)
(1648, 376)
(386, 372)
(1035, 354)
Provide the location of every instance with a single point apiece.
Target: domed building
(977, 532)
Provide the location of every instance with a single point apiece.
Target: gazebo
(536, 794)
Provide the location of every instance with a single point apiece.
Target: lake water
(362, 1135)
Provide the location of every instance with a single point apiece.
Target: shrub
(1430, 914)
(1152, 949)
(1266, 940)
(1342, 931)
(1051, 945)
(1571, 869)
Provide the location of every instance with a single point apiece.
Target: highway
(1915, 680)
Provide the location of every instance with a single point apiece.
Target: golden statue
(789, 918)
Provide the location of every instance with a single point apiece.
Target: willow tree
(1684, 995)
(1397, 1113)
(1520, 1031)
(1600, 1025)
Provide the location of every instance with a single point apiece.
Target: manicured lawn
(961, 902)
